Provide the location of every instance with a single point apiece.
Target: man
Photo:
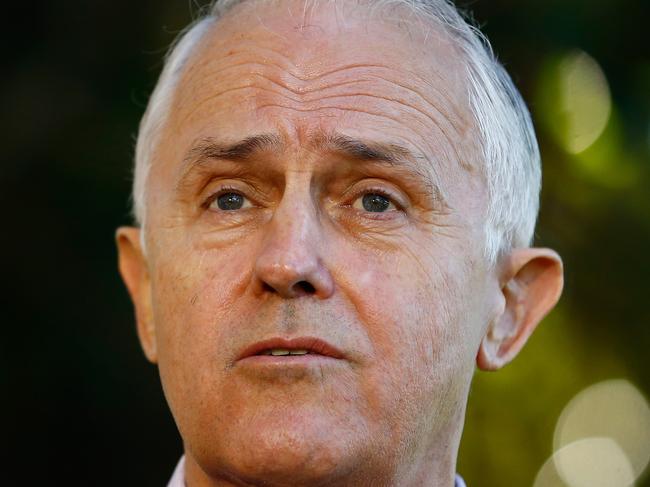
(335, 203)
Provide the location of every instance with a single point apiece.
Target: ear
(135, 273)
(531, 284)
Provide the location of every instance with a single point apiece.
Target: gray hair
(512, 166)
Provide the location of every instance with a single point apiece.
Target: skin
(406, 294)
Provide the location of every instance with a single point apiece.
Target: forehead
(280, 67)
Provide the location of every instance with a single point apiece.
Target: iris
(375, 202)
(230, 201)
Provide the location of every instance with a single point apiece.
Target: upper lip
(311, 344)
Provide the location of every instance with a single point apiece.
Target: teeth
(279, 351)
(283, 351)
(298, 352)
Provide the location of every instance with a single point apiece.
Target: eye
(374, 202)
(230, 201)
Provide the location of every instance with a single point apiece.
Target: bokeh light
(602, 438)
(613, 409)
(548, 476)
(585, 99)
(589, 462)
(576, 99)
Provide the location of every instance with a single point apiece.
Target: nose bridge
(290, 262)
(293, 226)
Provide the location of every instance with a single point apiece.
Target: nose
(290, 261)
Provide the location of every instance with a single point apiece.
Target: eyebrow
(245, 150)
(393, 154)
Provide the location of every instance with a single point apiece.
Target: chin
(286, 448)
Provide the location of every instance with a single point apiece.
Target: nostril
(299, 288)
(306, 287)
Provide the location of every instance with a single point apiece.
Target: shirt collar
(178, 478)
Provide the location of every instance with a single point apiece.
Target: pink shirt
(178, 479)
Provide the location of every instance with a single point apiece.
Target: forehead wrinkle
(200, 104)
(368, 111)
(440, 122)
(456, 112)
(396, 25)
(454, 118)
(280, 84)
(290, 67)
(250, 84)
(302, 86)
(295, 89)
(382, 115)
(234, 48)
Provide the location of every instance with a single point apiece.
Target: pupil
(230, 201)
(375, 202)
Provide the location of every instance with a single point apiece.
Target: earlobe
(532, 283)
(133, 268)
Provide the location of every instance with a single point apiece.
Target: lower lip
(289, 369)
(288, 360)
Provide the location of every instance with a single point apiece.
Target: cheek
(194, 295)
(191, 288)
(414, 312)
(408, 310)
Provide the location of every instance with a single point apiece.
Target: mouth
(283, 349)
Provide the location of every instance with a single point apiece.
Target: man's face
(317, 182)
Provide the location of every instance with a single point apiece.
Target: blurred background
(81, 404)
